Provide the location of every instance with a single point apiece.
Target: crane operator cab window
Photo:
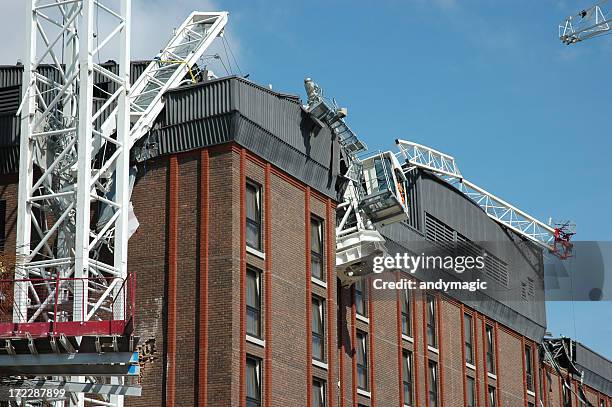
(384, 185)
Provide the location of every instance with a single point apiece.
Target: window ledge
(471, 366)
(318, 282)
(362, 318)
(434, 350)
(256, 341)
(364, 393)
(320, 364)
(531, 393)
(407, 338)
(256, 252)
(491, 375)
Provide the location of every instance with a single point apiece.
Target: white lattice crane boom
(588, 23)
(556, 239)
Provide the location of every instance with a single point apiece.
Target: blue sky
(526, 117)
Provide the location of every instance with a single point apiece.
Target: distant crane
(588, 23)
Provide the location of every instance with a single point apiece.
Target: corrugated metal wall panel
(10, 75)
(193, 134)
(9, 160)
(284, 118)
(197, 102)
(9, 99)
(276, 114)
(9, 130)
(136, 69)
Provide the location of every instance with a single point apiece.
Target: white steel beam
(444, 165)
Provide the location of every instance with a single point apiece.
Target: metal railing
(69, 305)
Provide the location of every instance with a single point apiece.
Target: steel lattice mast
(74, 185)
(60, 180)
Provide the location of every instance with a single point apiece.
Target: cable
(572, 302)
(217, 56)
(233, 56)
(97, 32)
(226, 54)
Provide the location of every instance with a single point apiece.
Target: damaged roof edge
(586, 365)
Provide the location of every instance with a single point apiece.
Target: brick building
(237, 295)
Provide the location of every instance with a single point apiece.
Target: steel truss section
(444, 165)
(558, 352)
(168, 70)
(588, 23)
(61, 182)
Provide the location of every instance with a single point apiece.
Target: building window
(407, 376)
(433, 384)
(362, 360)
(529, 367)
(253, 302)
(360, 298)
(2, 224)
(318, 393)
(602, 403)
(492, 397)
(316, 248)
(471, 392)
(253, 215)
(253, 382)
(490, 349)
(431, 321)
(469, 330)
(406, 320)
(318, 328)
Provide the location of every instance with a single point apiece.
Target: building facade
(238, 303)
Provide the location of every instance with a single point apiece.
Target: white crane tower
(71, 285)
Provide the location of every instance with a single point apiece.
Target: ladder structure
(73, 299)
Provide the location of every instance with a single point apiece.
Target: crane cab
(384, 183)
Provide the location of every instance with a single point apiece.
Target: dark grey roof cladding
(450, 206)
(271, 125)
(9, 159)
(279, 115)
(597, 369)
(268, 123)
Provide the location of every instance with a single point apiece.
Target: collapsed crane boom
(555, 239)
(168, 70)
(588, 23)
